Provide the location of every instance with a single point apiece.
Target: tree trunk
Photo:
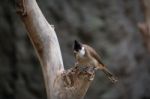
(59, 83)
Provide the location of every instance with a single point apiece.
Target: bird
(85, 55)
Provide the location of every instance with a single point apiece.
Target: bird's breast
(87, 62)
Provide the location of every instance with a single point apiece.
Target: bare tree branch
(60, 83)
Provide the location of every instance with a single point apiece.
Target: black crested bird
(87, 56)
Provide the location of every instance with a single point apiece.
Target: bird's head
(79, 48)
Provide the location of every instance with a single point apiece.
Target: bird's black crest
(77, 45)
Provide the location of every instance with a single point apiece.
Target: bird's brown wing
(94, 54)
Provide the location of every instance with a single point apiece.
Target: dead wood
(59, 83)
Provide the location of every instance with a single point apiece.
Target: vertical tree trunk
(59, 83)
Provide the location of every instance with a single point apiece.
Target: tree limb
(60, 84)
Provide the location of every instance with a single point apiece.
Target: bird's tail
(110, 76)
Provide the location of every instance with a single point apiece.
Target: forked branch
(59, 83)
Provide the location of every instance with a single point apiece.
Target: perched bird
(87, 56)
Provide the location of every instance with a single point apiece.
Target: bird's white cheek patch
(82, 52)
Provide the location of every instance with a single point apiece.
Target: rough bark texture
(60, 84)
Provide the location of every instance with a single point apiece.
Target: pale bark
(59, 83)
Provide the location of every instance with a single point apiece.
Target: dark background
(110, 26)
